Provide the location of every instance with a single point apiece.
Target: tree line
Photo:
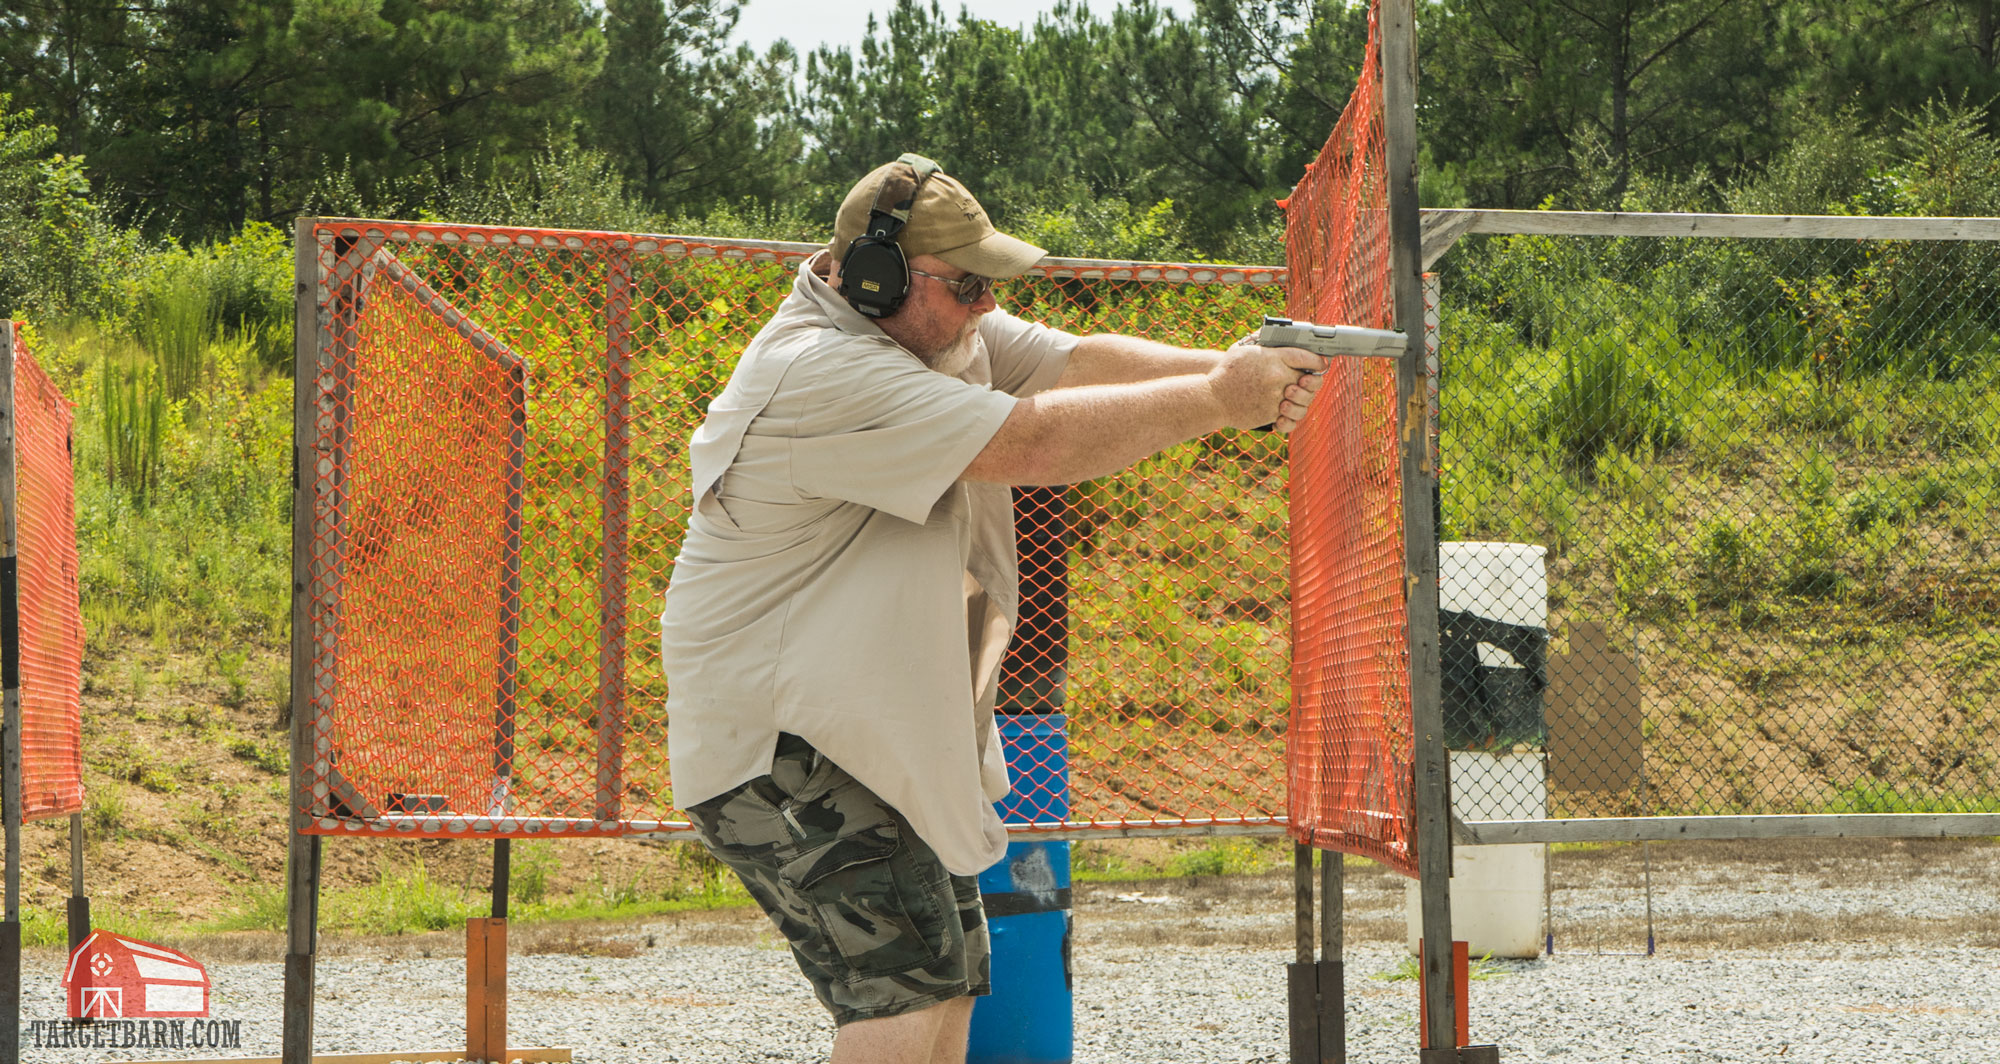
(190, 118)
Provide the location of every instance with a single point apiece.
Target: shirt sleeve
(883, 430)
(1027, 357)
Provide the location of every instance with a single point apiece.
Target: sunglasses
(969, 288)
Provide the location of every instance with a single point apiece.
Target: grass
(1132, 860)
(408, 898)
(1227, 858)
(1876, 796)
(1407, 969)
(183, 506)
(176, 319)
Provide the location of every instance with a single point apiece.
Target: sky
(810, 23)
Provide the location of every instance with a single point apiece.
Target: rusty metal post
(615, 503)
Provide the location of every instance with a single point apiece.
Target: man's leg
(894, 946)
(952, 1029)
(935, 1035)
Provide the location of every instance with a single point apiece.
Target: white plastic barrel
(1498, 893)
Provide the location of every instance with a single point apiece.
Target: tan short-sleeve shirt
(839, 581)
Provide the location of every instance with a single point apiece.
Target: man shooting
(838, 613)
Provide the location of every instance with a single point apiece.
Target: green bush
(184, 301)
(250, 283)
(175, 319)
(132, 413)
(182, 511)
(1105, 227)
(1606, 395)
(1814, 540)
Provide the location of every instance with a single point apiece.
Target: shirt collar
(843, 315)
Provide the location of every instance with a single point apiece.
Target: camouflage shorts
(876, 923)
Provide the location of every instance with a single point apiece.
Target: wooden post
(1419, 476)
(302, 855)
(1332, 972)
(10, 714)
(1301, 980)
(486, 969)
(486, 989)
(616, 501)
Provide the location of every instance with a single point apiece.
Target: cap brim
(997, 256)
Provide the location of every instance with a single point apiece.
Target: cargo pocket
(871, 908)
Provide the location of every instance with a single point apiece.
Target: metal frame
(322, 372)
(679, 246)
(322, 382)
(1441, 230)
(1443, 227)
(323, 379)
(1773, 826)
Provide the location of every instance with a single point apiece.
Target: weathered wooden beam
(1660, 829)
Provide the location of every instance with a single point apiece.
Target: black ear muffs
(874, 274)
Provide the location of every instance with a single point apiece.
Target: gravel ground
(1193, 970)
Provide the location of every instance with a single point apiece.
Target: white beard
(957, 358)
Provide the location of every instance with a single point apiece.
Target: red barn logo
(112, 976)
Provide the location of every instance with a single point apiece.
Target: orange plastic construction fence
(1351, 752)
(48, 608)
(492, 430)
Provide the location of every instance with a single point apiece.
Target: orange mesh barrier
(494, 485)
(50, 613)
(1349, 747)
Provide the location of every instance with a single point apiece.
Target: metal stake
(78, 911)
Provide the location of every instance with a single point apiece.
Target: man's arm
(1065, 435)
(1107, 358)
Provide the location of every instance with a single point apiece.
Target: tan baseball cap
(945, 221)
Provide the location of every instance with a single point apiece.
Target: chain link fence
(1718, 524)
(493, 425)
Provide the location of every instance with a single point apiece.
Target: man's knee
(934, 1034)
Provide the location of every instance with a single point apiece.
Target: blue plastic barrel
(1027, 1019)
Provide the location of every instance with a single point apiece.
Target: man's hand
(1261, 386)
